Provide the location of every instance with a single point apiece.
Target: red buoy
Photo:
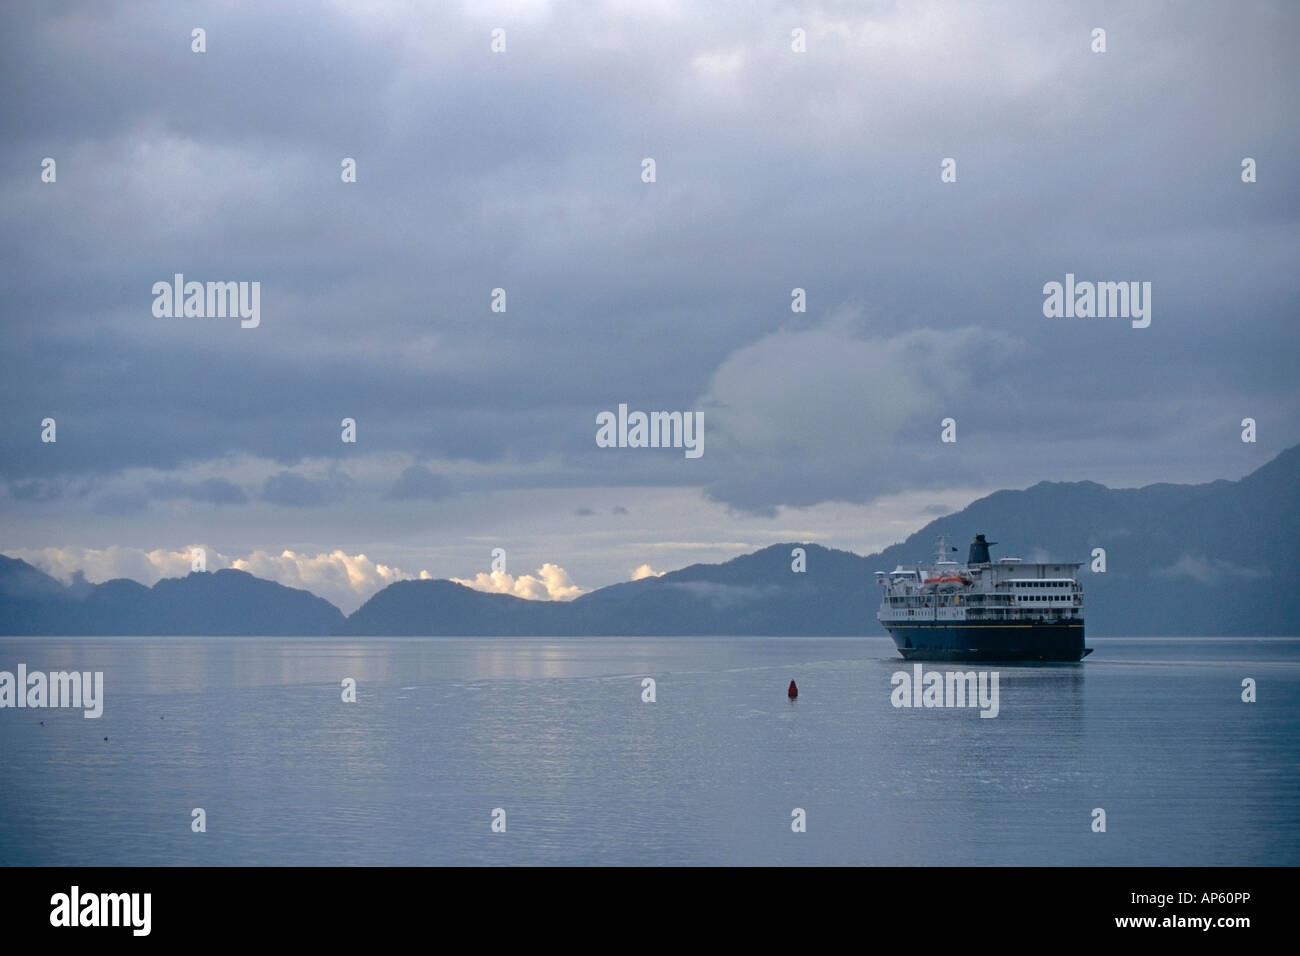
(793, 692)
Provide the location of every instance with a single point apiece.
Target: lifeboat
(954, 579)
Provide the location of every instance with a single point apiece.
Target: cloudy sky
(522, 170)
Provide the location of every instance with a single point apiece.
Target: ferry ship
(984, 610)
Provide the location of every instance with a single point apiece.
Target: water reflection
(556, 732)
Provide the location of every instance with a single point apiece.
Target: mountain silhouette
(1181, 560)
(226, 602)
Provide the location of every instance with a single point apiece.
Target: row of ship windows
(940, 600)
(999, 612)
(1040, 584)
(1020, 598)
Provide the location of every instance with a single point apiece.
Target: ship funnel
(979, 550)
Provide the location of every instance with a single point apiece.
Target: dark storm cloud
(215, 491)
(115, 504)
(294, 491)
(521, 171)
(51, 489)
(419, 482)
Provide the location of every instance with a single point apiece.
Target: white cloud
(645, 571)
(849, 409)
(345, 580)
(105, 564)
(551, 583)
(1208, 570)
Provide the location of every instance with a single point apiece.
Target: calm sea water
(444, 730)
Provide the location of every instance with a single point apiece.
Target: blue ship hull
(965, 641)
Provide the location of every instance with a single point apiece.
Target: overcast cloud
(522, 170)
